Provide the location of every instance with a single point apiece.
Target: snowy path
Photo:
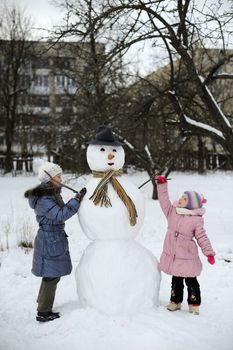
(86, 329)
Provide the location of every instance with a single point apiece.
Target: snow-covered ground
(87, 329)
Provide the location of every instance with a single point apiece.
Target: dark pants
(177, 290)
(46, 294)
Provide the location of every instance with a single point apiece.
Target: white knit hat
(51, 168)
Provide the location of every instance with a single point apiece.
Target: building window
(43, 120)
(41, 80)
(62, 81)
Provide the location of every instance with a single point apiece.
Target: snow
(226, 121)
(88, 329)
(202, 79)
(223, 75)
(116, 275)
(98, 157)
(204, 126)
(128, 144)
(199, 124)
(149, 156)
(115, 218)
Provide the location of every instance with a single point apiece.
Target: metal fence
(185, 162)
(210, 161)
(20, 164)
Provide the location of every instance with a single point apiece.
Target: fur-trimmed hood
(39, 191)
(42, 190)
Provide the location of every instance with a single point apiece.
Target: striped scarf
(100, 194)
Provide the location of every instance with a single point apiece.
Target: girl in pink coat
(180, 253)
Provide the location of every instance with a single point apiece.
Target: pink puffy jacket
(180, 252)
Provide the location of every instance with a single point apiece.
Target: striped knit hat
(195, 200)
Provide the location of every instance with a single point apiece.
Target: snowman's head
(105, 157)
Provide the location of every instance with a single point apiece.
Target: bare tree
(15, 77)
(98, 78)
(179, 27)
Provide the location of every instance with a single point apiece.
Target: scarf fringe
(100, 195)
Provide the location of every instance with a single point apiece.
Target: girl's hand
(79, 196)
(211, 259)
(161, 179)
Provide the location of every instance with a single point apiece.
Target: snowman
(116, 274)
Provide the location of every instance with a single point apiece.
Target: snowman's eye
(114, 150)
(102, 149)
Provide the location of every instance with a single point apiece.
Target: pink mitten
(211, 259)
(161, 179)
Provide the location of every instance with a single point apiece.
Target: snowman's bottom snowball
(118, 277)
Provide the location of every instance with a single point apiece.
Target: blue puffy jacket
(51, 256)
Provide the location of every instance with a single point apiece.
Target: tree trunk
(155, 192)
(230, 149)
(9, 160)
(201, 158)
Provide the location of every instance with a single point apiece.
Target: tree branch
(192, 125)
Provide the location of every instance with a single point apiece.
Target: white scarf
(191, 212)
(184, 211)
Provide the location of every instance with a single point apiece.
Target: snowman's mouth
(110, 164)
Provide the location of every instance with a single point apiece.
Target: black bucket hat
(104, 136)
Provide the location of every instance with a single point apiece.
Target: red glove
(211, 259)
(161, 179)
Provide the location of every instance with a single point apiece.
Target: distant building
(53, 76)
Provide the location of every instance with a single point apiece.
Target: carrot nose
(110, 156)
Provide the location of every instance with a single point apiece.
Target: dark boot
(45, 316)
(55, 314)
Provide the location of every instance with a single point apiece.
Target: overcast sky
(45, 14)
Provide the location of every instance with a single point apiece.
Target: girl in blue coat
(51, 258)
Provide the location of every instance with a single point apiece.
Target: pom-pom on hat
(195, 200)
(51, 168)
